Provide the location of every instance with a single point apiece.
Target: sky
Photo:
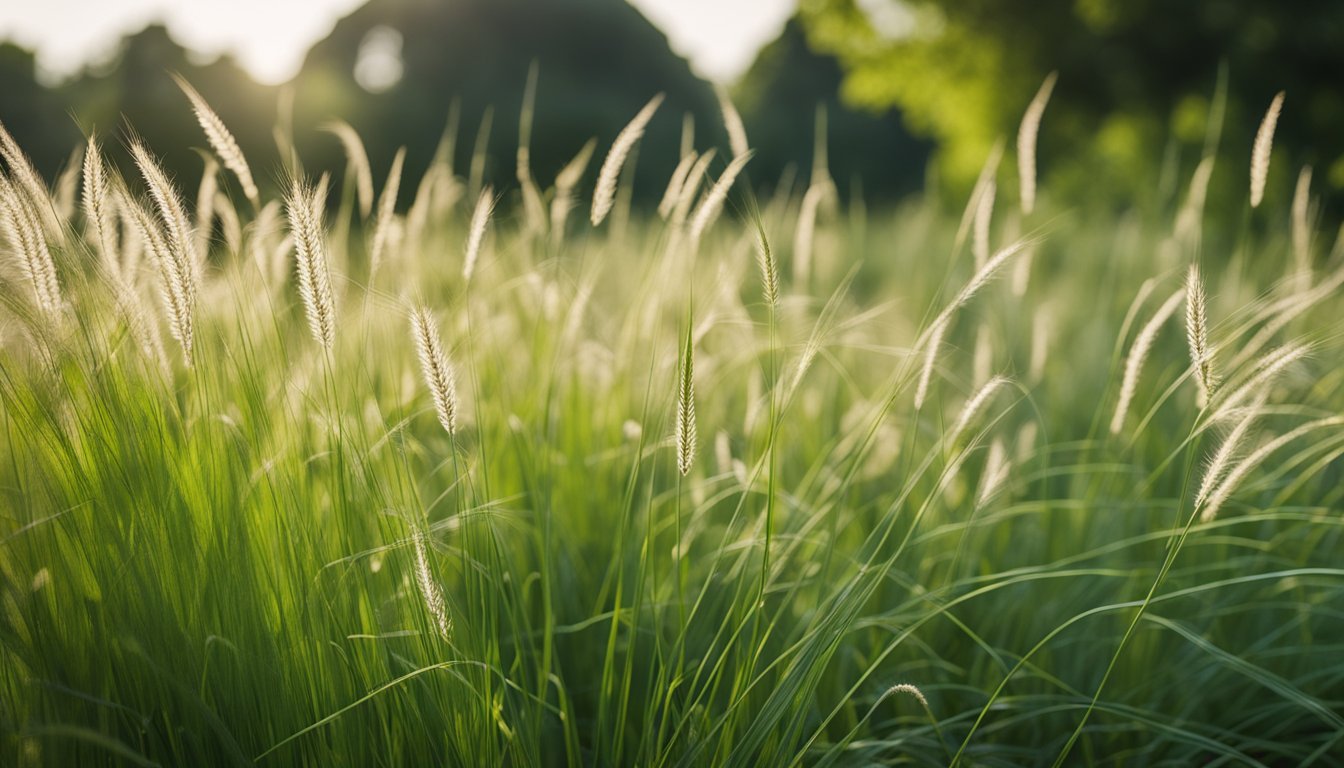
(720, 37)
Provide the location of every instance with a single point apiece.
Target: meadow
(544, 476)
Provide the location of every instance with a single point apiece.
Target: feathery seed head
(604, 196)
(435, 367)
(686, 407)
(1260, 151)
(221, 140)
(480, 218)
(1197, 333)
(1026, 143)
(305, 209)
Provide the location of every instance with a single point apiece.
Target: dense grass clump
(307, 480)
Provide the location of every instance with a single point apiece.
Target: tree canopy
(1136, 78)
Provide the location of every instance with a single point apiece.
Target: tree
(1136, 77)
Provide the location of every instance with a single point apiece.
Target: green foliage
(1133, 76)
(241, 562)
(866, 149)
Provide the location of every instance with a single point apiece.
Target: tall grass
(324, 535)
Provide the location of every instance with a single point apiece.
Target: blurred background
(909, 94)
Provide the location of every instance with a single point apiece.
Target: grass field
(454, 486)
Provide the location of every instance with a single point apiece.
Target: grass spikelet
(765, 260)
(1301, 228)
(973, 405)
(205, 205)
(1197, 334)
(933, 340)
(177, 285)
(604, 196)
(24, 231)
(674, 184)
(480, 219)
(1138, 352)
(981, 278)
(221, 141)
(566, 182)
(712, 204)
(95, 203)
(305, 207)
(1264, 143)
(1189, 220)
(387, 206)
(689, 187)
(63, 192)
(686, 407)
(1244, 467)
(229, 225)
(29, 183)
(805, 234)
(997, 468)
(1026, 143)
(732, 123)
(429, 588)
(1269, 367)
(908, 690)
(1218, 465)
(435, 367)
(986, 177)
(358, 160)
(1040, 344)
(172, 214)
(984, 211)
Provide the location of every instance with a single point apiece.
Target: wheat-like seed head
(29, 183)
(172, 213)
(765, 260)
(310, 256)
(686, 407)
(689, 187)
(805, 233)
(982, 277)
(712, 204)
(987, 174)
(221, 141)
(387, 206)
(1260, 151)
(973, 406)
(604, 196)
(1268, 368)
(674, 184)
(1197, 333)
(1026, 143)
(1218, 497)
(1188, 221)
(984, 211)
(95, 201)
(480, 219)
(997, 468)
(932, 342)
(177, 287)
(1226, 450)
(732, 123)
(565, 183)
(908, 690)
(358, 160)
(205, 205)
(435, 367)
(1138, 352)
(1301, 227)
(22, 226)
(429, 588)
